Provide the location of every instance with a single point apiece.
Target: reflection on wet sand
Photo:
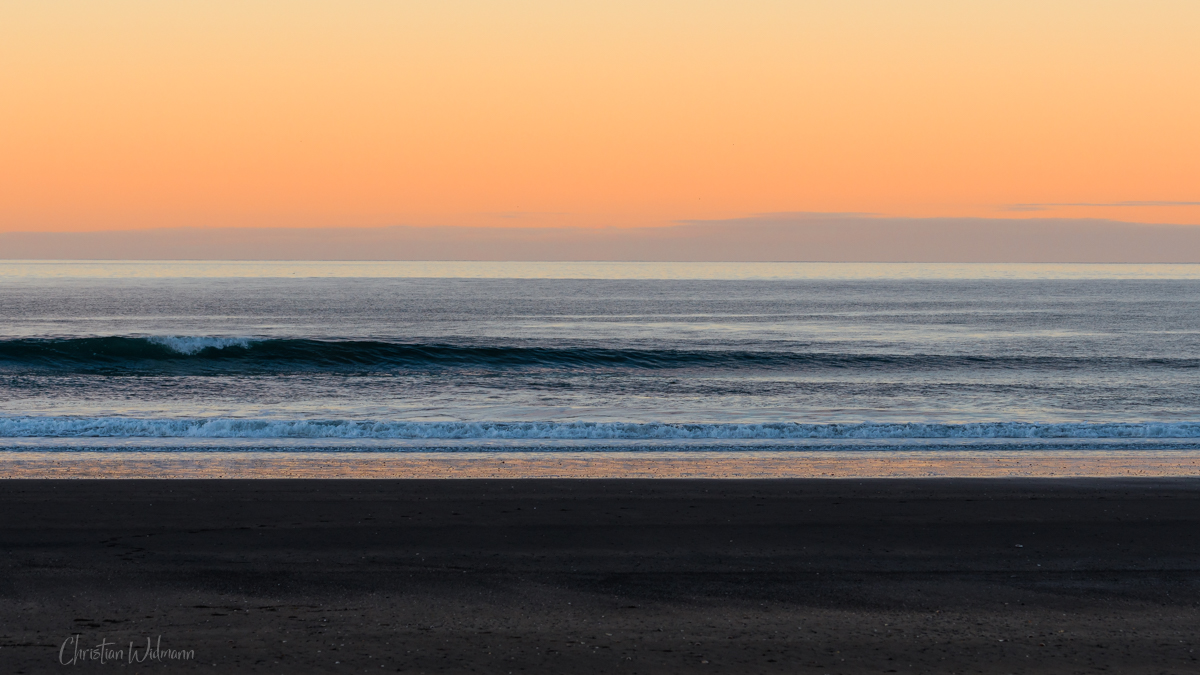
(846, 464)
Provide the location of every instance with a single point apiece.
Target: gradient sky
(134, 114)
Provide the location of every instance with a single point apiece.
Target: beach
(641, 576)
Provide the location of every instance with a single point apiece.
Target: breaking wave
(216, 355)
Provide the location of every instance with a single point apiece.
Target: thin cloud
(774, 238)
(1050, 205)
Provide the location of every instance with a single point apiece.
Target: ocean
(476, 358)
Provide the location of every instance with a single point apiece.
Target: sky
(127, 115)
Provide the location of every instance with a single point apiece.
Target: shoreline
(742, 464)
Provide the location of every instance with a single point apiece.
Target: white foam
(194, 345)
(123, 427)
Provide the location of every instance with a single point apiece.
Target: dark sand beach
(633, 576)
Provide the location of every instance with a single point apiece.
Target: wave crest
(214, 355)
(194, 345)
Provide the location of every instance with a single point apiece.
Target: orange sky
(123, 114)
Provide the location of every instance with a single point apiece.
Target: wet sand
(608, 463)
(634, 576)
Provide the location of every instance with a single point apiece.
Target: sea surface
(596, 357)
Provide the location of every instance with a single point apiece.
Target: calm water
(595, 356)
